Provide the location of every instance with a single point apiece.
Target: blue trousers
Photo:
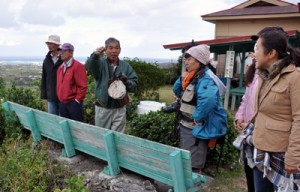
(262, 184)
(72, 110)
(53, 107)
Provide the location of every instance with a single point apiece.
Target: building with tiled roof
(249, 17)
(234, 26)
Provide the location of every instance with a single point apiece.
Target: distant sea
(14, 60)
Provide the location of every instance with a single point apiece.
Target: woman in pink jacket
(245, 112)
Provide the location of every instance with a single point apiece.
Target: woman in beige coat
(276, 136)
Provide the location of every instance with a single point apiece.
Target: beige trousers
(114, 119)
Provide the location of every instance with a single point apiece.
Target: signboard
(229, 64)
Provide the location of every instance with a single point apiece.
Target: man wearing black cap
(50, 65)
(71, 84)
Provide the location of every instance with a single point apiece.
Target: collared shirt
(54, 58)
(67, 64)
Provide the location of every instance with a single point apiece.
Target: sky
(142, 26)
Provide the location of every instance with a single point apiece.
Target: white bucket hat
(53, 39)
(117, 90)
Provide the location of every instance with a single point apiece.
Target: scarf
(187, 79)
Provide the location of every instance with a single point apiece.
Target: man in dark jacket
(50, 65)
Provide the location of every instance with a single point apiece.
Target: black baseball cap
(267, 29)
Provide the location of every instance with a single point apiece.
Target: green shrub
(27, 97)
(150, 78)
(154, 126)
(230, 154)
(172, 74)
(131, 108)
(28, 167)
(158, 126)
(74, 183)
(89, 102)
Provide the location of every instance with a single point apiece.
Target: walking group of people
(271, 102)
(64, 82)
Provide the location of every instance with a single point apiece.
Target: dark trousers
(71, 110)
(249, 176)
(262, 184)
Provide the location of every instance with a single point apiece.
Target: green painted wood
(111, 153)
(33, 127)
(199, 181)
(156, 154)
(67, 137)
(119, 137)
(90, 134)
(145, 157)
(6, 107)
(177, 171)
(89, 149)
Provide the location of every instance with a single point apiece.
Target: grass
(226, 179)
(166, 94)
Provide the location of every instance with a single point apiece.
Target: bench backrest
(163, 163)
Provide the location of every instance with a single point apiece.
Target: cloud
(143, 27)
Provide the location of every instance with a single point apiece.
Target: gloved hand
(123, 78)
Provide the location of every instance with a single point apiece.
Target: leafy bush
(154, 126)
(230, 154)
(25, 97)
(150, 78)
(89, 102)
(158, 126)
(28, 167)
(172, 74)
(75, 183)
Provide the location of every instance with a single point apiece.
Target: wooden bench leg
(111, 154)
(67, 138)
(177, 171)
(33, 126)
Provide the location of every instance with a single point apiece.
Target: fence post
(111, 154)
(67, 137)
(177, 171)
(33, 126)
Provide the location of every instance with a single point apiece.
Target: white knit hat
(201, 53)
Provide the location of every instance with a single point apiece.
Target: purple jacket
(246, 108)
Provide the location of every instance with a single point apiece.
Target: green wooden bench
(169, 165)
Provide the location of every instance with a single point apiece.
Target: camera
(174, 107)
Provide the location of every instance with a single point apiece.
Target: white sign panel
(229, 64)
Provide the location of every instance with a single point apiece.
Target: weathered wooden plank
(88, 133)
(177, 171)
(33, 126)
(89, 149)
(155, 154)
(143, 164)
(111, 153)
(148, 173)
(67, 138)
(150, 144)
